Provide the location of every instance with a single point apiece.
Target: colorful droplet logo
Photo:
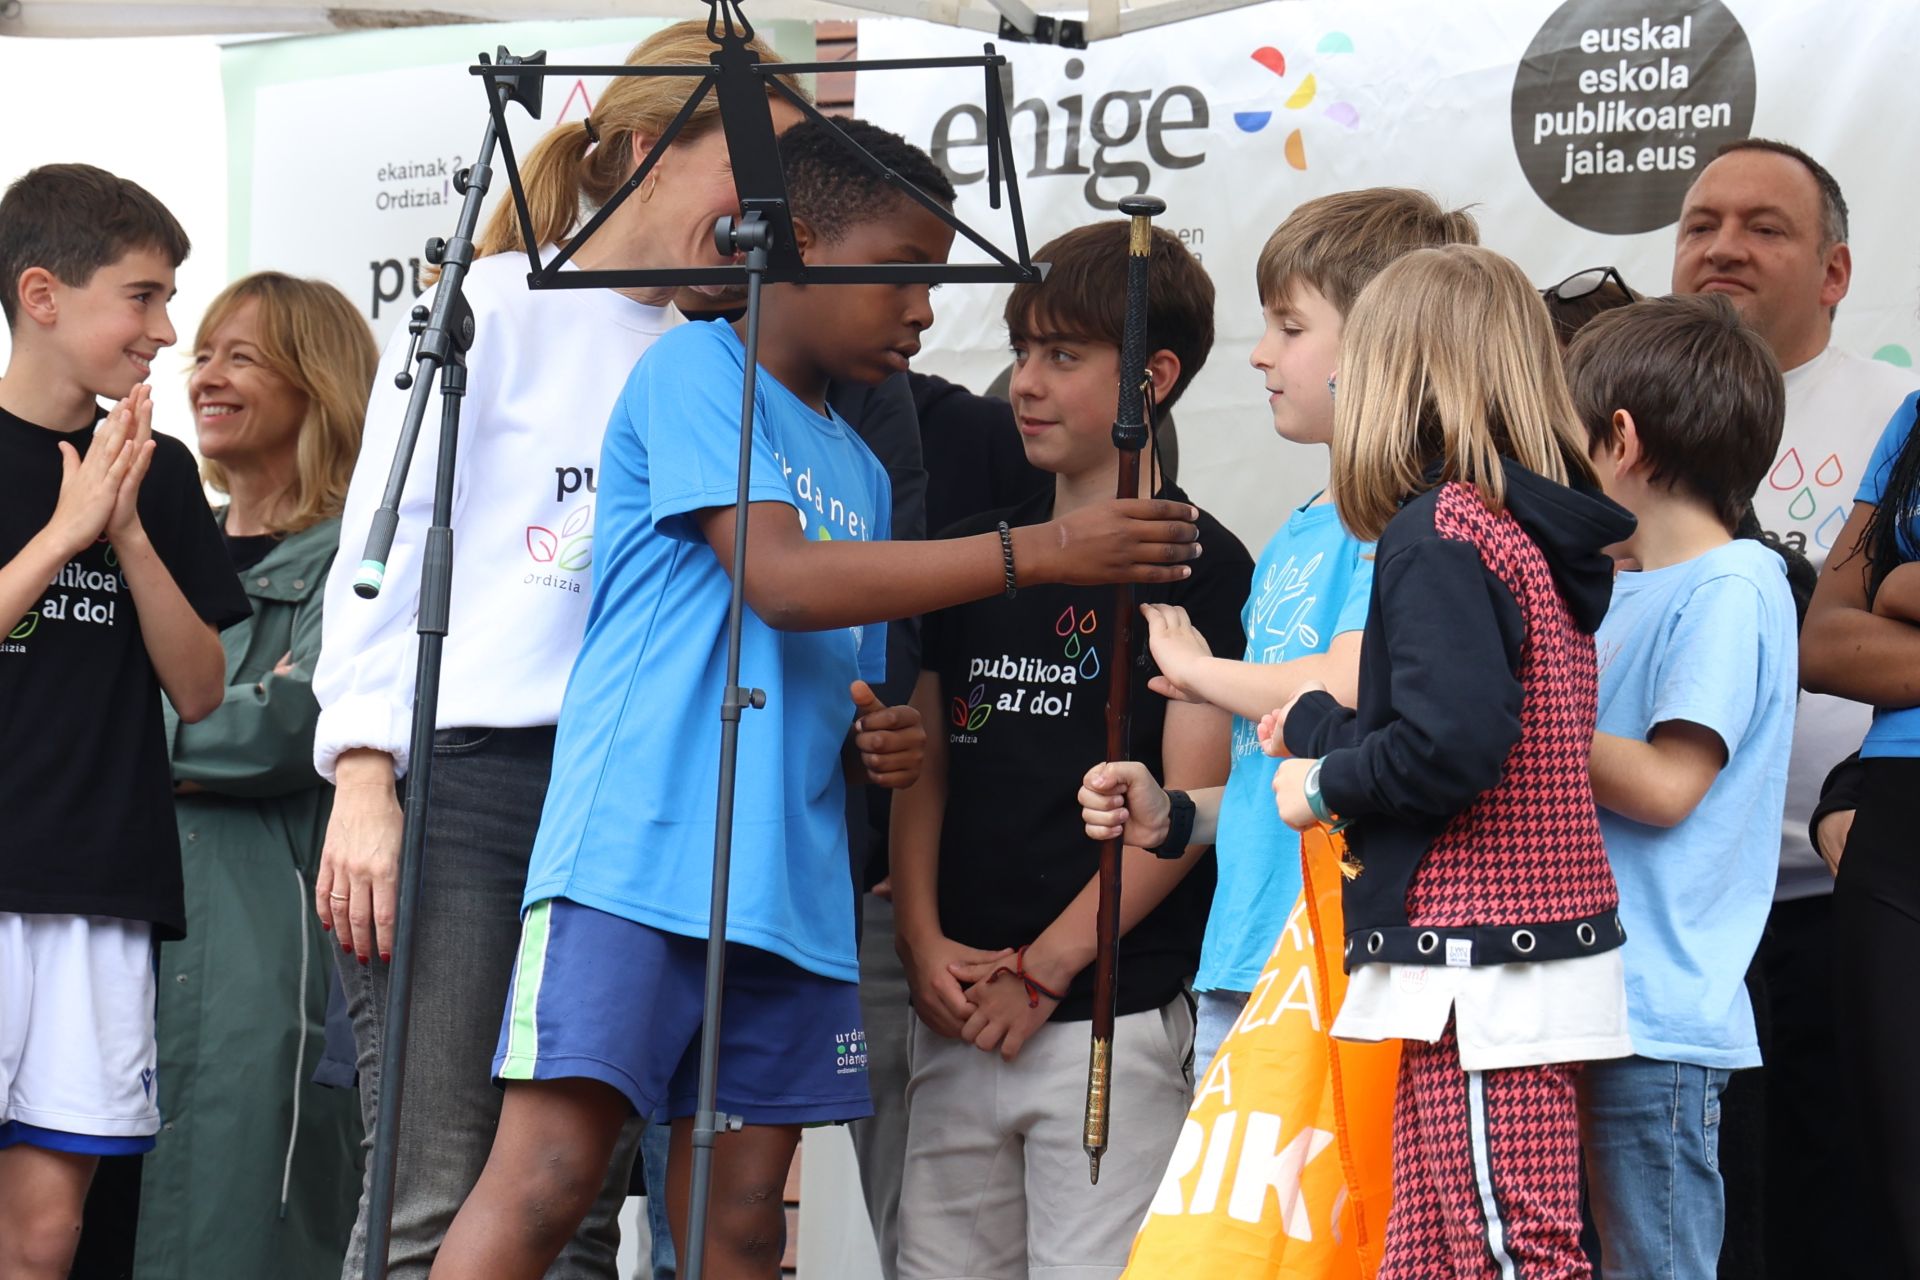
(1300, 98)
(1787, 473)
(1803, 505)
(1830, 528)
(1830, 472)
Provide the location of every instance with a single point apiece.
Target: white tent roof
(1097, 20)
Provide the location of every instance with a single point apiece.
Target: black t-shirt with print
(1023, 697)
(84, 781)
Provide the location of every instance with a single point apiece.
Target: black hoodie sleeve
(1452, 638)
(1844, 788)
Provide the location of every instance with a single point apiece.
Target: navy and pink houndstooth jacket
(1463, 772)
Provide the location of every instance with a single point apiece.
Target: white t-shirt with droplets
(1838, 403)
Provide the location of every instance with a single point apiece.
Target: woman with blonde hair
(1481, 925)
(254, 1169)
(545, 370)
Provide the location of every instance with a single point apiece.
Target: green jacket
(256, 1171)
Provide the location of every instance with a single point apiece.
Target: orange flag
(1283, 1170)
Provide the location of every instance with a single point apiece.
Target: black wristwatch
(1180, 814)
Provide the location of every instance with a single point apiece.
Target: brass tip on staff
(1094, 1134)
(1142, 209)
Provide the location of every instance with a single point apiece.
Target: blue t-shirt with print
(1311, 583)
(1895, 730)
(629, 818)
(1709, 641)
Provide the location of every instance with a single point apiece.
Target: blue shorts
(599, 997)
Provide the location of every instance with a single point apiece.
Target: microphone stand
(764, 235)
(441, 337)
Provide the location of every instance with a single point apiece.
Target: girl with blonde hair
(1480, 916)
(254, 1173)
(545, 370)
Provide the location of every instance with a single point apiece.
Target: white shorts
(77, 1052)
(1505, 1015)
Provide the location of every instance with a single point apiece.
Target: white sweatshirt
(1837, 406)
(544, 371)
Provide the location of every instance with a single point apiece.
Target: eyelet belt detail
(1485, 944)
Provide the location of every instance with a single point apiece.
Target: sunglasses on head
(1581, 283)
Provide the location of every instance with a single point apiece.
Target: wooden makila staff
(1129, 437)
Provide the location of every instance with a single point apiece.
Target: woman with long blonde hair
(253, 1174)
(545, 370)
(1480, 919)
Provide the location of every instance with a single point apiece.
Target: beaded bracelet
(1006, 557)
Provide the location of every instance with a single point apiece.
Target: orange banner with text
(1283, 1170)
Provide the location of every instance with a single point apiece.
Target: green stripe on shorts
(523, 1027)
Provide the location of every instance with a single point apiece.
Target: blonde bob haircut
(307, 332)
(1448, 357)
(567, 173)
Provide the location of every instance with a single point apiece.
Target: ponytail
(550, 175)
(568, 171)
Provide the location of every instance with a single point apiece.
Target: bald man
(1766, 225)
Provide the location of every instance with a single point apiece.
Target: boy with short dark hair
(1698, 666)
(995, 881)
(604, 1019)
(113, 586)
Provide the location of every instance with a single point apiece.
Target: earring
(646, 188)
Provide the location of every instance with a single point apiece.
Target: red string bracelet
(1019, 970)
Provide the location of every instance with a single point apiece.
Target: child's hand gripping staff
(1130, 436)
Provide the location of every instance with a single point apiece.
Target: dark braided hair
(834, 190)
(1885, 540)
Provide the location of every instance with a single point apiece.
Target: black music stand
(764, 235)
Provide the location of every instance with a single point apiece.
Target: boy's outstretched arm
(1196, 748)
(796, 584)
(1191, 672)
(1660, 781)
(184, 649)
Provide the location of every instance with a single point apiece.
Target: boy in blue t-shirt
(604, 1017)
(1310, 585)
(1698, 670)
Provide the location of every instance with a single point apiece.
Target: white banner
(1572, 130)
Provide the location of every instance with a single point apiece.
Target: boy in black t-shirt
(994, 878)
(113, 581)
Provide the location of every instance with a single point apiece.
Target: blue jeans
(1214, 1016)
(653, 1153)
(488, 785)
(1651, 1131)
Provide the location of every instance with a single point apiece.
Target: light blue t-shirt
(1895, 730)
(1312, 582)
(629, 818)
(1710, 641)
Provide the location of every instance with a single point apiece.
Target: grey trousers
(880, 1142)
(488, 786)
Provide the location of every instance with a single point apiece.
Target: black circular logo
(1617, 107)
